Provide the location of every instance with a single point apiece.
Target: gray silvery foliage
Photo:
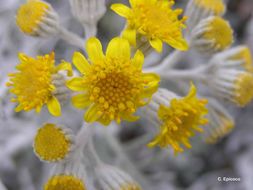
(125, 148)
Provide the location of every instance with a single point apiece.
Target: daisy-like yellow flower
(155, 20)
(179, 121)
(112, 85)
(33, 85)
(30, 14)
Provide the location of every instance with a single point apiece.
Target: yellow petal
(54, 107)
(151, 77)
(94, 49)
(130, 35)
(81, 101)
(22, 57)
(138, 59)
(118, 48)
(92, 114)
(80, 62)
(76, 84)
(133, 3)
(149, 91)
(157, 44)
(192, 91)
(65, 66)
(121, 9)
(19, 108)
(179, 44)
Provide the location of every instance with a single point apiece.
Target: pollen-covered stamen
(64, 182)
(116, 92)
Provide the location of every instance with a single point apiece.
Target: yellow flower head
(30, 14)
(155, 20)
(219, 32)
(52, 143)
(32, 84)
(180, 120)
(217, 7)
(112, 85)
(243, 89)
(245, 55)
(64, 182)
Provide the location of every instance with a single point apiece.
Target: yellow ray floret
(51, 143)
(112, 85)
(220, 32)
(217, 7)
(64, 182)
(180, 121)
(30, 14)
(32, 84)
(243, 89)
(155, 20)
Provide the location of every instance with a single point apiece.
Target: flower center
(220, 32)
(30, 14)
(51, 143)
(244, 93)
(64, 182)
(116, 88)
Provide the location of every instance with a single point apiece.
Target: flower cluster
(117, 84)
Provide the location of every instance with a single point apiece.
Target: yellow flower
(219, 32)
(30, 15)
(112, 85)
(243, 93)
(245, 55)
(64, 182)
(155, 20)
(32, 84)
(215, 6)
(52, 143)
(180, 120)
